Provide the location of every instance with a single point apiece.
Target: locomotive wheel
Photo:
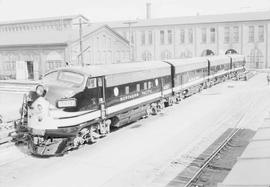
(160, 105)
(91, 138)
(154, 110)
(104, 128)
(148, 111)
(171, 101)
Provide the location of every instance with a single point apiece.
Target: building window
(125, 34)
(236, 34)
(109, 43)
(52, 64)
(182, 36)
(203, 35)
(169, 36)
(143, 38)
(162, 37)
(212, 35)
(166, 55)
(190, 35)
(261, 33)
(146, 56)
(251, 34)
(226, 35)
(150, 40)
(132, 37)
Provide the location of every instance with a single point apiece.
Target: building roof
(38, 36)
(29, 38)
(37, 20)
(201, 19)
(51, 37)
(90, 29)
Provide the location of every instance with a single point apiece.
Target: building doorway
(30, 69)
(230, 51)
(255, 59)
(207, 52)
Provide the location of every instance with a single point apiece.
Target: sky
(110, 10)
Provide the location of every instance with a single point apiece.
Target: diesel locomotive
(77, 105)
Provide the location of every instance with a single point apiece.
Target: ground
(149, 152)
(10, 103)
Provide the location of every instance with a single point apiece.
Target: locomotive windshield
(75, 79)
(71, 77)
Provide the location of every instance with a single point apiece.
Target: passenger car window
(91, 83)
(138, 87)
(145, 86)
(127, 89)
(149, 84)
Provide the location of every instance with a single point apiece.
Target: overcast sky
(108, 10)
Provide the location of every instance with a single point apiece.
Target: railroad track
(7, 129)
(208, 161)
(192, 181)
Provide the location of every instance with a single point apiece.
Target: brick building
(33, 47)
(184, 37)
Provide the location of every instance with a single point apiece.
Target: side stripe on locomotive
(133, 102)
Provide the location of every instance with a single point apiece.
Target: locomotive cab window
(91, 83)
(99, 80)
(50, 77)
(71, 77)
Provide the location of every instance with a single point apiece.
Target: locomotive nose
(39, 114)
(55, 93)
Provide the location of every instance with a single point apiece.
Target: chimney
(148, 10)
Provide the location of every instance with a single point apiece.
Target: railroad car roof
(237, 57)
(110, 69)
(122, 73)
(184, 65)
(218, 60)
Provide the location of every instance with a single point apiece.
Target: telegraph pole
(129, 30)
(81, 44)
(80, 56)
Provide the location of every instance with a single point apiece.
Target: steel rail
(229, 137)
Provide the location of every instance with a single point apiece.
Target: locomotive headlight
(63, 103)
(40, 90)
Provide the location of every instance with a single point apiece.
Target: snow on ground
(10, 103)
(144, 153)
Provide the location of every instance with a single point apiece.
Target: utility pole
(81, 44)
(129, 30)
(81, 39)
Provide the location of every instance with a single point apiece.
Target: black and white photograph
(134, 93)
